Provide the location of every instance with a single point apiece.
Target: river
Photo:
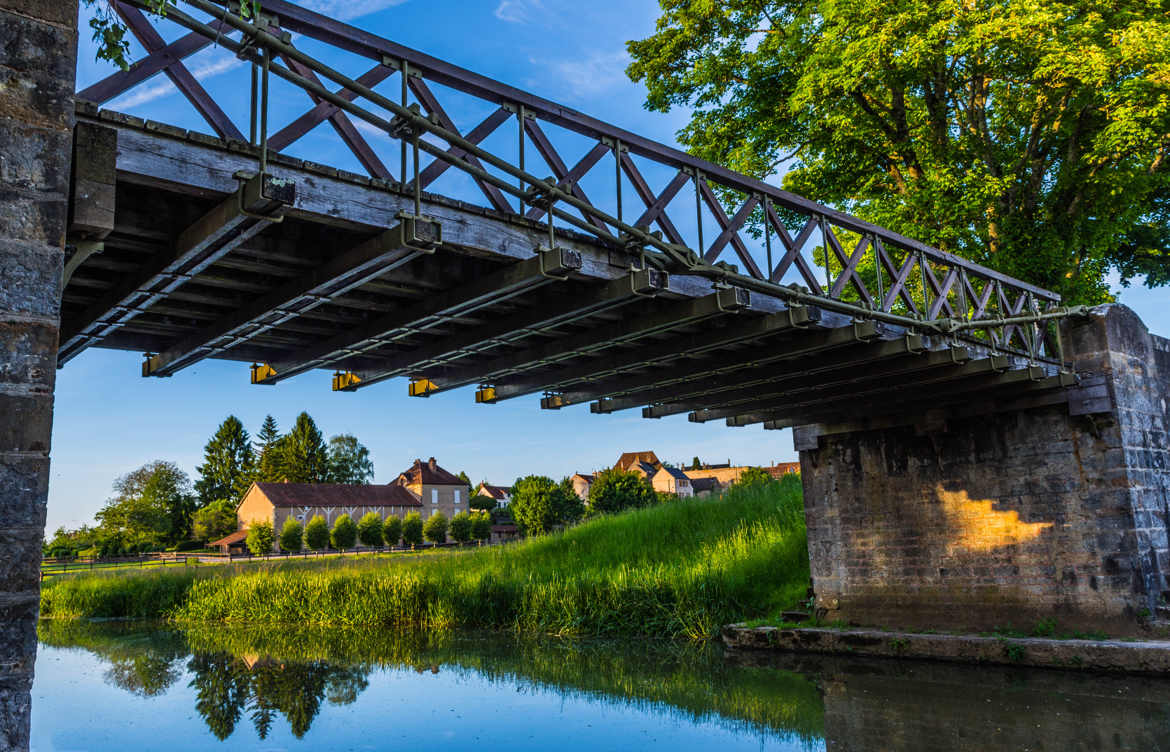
(147, 687)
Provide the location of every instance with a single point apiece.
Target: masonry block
(1005, 518)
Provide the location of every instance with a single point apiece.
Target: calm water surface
(119, 687)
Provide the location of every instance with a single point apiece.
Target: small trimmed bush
(412, 529)
(317, 533)
(392, 530)
(435, 528)
(460, 527)
(369, 529)
(344, 533)
(291, 535)
(481, 525)
(260, 538)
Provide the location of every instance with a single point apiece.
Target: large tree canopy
(152, 502)
(228, 463)
(1028, 135)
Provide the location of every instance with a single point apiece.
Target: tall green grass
(678, 569)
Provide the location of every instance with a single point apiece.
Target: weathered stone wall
(38, 43)
(1007, 517)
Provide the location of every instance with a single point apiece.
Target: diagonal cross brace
(259, 201)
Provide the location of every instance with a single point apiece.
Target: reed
(680, 569)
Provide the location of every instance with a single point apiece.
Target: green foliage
(291, 535)
(215, 520)
(696, 463)
(152, 503)
(109, 33)
(303, 457)
(369, 529)
(753, 476)
(460, 527)
(412, 529)
(260, 538)
(484, 503)
(539, 504)
(481, 525)
(1030, 138)
(343, 536)
(268, 452)
(435, 528)
(671, 570)
(392, 530)
(349, 461)
(616, 490)
(317, 533)
(228, 463)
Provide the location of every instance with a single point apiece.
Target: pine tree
(268, 452)
(228, 462)
(303, 457)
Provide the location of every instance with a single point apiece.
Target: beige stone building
(436, 489)
(671, 480)
(581, 485)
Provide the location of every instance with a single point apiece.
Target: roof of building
(227, 540)
(431, 474)
(704, 484)
(495, 492)
(338, 495)
(587, 477)
(674, 472)
(629, 459)
(783, 468)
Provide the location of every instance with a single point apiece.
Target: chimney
(431, 463)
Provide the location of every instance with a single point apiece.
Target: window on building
(456, 496)
(434, 496)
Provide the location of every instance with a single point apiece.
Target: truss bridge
(522, 248)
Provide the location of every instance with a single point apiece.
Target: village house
(671, 480)
(645, 464)
(780, 469)
(437, 489)
(705, 486)
(502, 495)
(581, 485)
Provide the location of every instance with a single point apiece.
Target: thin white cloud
(164, 87)
(517, 11)
(346, 10)
(593, 75)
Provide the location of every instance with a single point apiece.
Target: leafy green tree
(1030, 138)
(303, 455)
(485, 503)
(369, 529)
(460, 527)
(260, 538)
(615, 490)
(317, 533)
(481, 525)
(110, 33)
(412, 529)
(753, 476)
(349, 461)
(392, 530)
(268, 452)
(344, 533)
(228, 463)
(215, 520)
(538, 503)
(696, 464)
(291, 535)
(153, 502)
(435, 528)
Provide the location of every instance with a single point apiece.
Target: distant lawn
(677, 569)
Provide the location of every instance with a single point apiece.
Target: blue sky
(109, 420)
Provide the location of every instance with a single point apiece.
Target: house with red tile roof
(502, 495)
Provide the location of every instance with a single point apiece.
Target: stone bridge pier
(1005, 512)
(38, 43)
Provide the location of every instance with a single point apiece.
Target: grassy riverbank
(678, 569)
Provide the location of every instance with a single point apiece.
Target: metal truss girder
(259, 201)
(369, 259)
(547, 266)
(564, 309)
(674, 315)
(818, 341)
(837, 362)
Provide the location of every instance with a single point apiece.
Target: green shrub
(753, 476)
(369, 529)
(460, 527)
(435, 528)
(392, 530)
(485, 503)
(344, 533)
(412, 529)
(215, 520)
(260, 538)
(291, 535)
(317, 533)
(481, 525)
(617, 490)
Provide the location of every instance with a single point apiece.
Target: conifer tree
(228, 462)
(268, 452)
(302, 453)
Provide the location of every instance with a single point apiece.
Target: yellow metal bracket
(422, 388)
(486, 395)
(262, 372)
(345, 381)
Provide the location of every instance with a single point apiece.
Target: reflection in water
(244, 681)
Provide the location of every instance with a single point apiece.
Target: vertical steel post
(520, 156)
(255, 104)
(264, 113)
(768, 235)
(405, 70)
(699, 212)
(925, 292)
(877, 264)
(617, 170)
